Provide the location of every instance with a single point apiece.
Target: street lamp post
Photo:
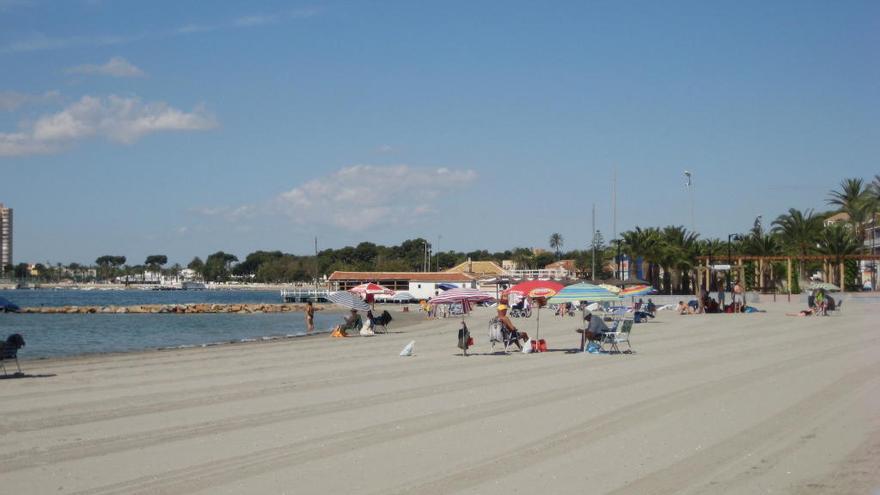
(617, 275)
(595, 240)
(735, 237)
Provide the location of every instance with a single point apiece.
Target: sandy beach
(757, 403)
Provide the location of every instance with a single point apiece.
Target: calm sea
(68, 335)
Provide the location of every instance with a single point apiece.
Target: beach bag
(542, 345)
(528, 347)
(593, 347)
(464, 338)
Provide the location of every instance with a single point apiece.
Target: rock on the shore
(200, 308)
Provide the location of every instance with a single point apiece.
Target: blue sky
(183, 128)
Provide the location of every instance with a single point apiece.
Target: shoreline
(411, 319)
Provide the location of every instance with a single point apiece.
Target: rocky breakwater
(169, 309)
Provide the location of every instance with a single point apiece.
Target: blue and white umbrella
(348, 300)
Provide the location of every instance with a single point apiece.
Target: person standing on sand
(737, 293)
(721, 295)
(310, 317)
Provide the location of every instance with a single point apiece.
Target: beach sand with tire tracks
(755, 403)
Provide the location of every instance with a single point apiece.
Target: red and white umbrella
(370, 288)
(456, 296)
(465, 297)
(536, 288)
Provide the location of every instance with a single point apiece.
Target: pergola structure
(704, 264)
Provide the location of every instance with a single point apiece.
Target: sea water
(54, 335)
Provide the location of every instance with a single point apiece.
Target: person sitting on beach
(595, 328)
(508, 325)
(353, 322)
(821, 303)
(684, 309)
(651, 308)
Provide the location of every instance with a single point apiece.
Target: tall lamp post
(735, 237)
(617, 275)
(595, 240)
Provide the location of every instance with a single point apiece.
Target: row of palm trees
(670, 253)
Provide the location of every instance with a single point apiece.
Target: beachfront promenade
(753, 403)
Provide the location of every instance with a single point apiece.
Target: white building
(422, 285)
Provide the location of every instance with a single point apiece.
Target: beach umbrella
(638, 290)
(402, 296)
(370, 288)
(610, 288)
(542, 288)
(348, 300)
(824, 286)
(462, 296)
(583, 292)
(634, 281)
(536, 289)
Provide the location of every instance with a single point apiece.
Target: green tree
(556, 243)
(837, 241)
(108, 265)
(798, 232)
(218, 266)
(155, 262)
(197, 265)
(854, 199)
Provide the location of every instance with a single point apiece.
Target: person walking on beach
(310, 316)
(721, 295)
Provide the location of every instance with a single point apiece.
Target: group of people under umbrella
(539, 293)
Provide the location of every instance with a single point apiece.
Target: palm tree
(798, 231)
(642, 244)
(854, 199)
(556, 242)
(837, 241)
(679, 254)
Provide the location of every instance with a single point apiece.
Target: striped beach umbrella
(464, 297)
(583, 292)
(610, 288)
(824, 286)
(457, 296)
(370, 288)
(348, 300)
(638, 290)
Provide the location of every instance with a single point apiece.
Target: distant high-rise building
(5, 237)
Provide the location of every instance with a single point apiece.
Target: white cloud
(115, 67)
(12, 100)
(364, 196)
(115, 118)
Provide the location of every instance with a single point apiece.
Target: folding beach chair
(9, 351)
(619, 334)
(500, 335)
